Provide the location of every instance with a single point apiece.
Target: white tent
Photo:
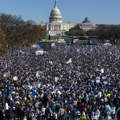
(39, 52)
(61, 41)
(107, 44)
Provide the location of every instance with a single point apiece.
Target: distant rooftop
(86, 20)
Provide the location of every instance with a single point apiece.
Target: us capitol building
(56, 26)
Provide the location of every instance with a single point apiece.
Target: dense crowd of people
(66, 83)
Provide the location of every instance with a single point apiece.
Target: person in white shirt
(113, 111)
(96, 114)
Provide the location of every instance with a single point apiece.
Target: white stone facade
(56, 26)
(87, 25)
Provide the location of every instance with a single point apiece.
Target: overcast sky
(98, 11)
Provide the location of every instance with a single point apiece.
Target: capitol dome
(55, 15)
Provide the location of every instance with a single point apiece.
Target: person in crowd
(65, 83)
